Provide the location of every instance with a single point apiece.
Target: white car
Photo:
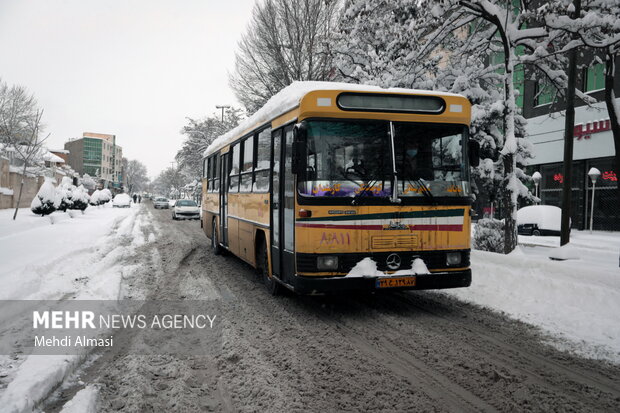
(172, 202)
(121, 201)
(186, 209)
(160, 203)
(539, 220)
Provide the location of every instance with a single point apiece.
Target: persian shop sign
(582, 131)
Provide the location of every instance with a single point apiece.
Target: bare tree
(169, 182)
(135, 175)
(286, 40)
(20, 128)
(199, 135)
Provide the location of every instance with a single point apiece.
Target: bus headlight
(453, 258)
(327, 262)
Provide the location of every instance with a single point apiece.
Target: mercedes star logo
(393, 261)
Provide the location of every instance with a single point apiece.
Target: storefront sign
(585, 131)
(609, 176)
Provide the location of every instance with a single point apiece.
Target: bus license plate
(395, 282)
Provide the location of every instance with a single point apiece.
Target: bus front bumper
(326, 285)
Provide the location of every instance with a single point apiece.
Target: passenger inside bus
(417, 161)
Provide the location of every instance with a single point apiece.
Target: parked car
(160, 202)
(172, 202)
(186, 209)
(121, 201)
(539, 220)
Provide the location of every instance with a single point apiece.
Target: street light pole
(593, 173)
(222, 107)
(536, 176)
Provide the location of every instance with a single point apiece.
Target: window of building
(594, 77)
(544, 92)
(518, 75)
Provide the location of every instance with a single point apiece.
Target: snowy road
(414, 351)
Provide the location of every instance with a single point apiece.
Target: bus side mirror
(473, 150)
(299, 140)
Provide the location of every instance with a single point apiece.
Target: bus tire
(273, 287)
(215, 242)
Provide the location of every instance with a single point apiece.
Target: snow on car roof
(545, 216)
(289, 98)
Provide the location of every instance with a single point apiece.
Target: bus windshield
(354, 158)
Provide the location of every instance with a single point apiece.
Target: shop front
(593, 148)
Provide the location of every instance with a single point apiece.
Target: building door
(224, 161)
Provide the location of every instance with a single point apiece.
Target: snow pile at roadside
(38, 375)
(565, 252)
(73, 256)
(84, 401)
(573, 300)
(79, 258)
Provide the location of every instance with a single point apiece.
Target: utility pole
(569, 127)
(222, 107)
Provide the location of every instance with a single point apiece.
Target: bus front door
(224, 199)
(283, 205)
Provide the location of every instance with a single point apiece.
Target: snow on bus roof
(289, 98)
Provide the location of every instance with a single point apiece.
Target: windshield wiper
(363, 190)
(394, 198)
(425, 191)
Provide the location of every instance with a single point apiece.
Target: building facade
(593, 146)
(97, 155)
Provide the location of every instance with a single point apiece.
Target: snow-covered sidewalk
(576, 301)
(73, 258)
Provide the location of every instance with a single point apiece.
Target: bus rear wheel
(273, 287)
(215, 242)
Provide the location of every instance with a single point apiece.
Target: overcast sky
(132, 68)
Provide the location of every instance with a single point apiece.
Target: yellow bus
(334, 186)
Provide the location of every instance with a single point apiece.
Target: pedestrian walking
(135, 198)
(139, 199)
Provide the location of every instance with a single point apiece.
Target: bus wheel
(273, 287)
(215, 242)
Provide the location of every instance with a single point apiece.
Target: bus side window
(216, 172)
(247, 166)
(234, 171)
(263, 152)
(208, 174)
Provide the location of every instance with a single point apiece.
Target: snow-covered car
(161, 202)
(186, 209)
(172, 202)
(539, 220)
(121, 201)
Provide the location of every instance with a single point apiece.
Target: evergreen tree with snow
(80, 198)
(467, 47)
(95, 198)
(105, 196)
(44, 202)
(65, 193)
